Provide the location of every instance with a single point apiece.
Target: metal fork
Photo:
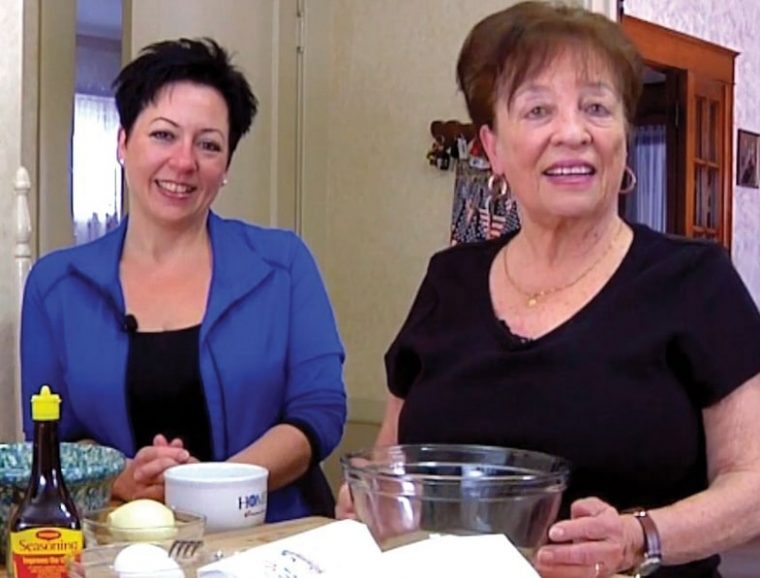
(181, 549)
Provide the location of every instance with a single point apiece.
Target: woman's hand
(596, 542)
(144, 475)
(344, 506)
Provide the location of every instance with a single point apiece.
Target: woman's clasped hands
(144, 475)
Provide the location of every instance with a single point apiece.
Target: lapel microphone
(129, 325)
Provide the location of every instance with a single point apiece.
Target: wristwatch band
(651, 534)
(652, 545)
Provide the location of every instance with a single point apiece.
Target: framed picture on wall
(748, 159)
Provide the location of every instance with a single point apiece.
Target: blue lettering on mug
(252, 501)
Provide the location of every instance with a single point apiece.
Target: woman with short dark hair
(181, 335)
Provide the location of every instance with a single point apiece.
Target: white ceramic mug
(229, 495)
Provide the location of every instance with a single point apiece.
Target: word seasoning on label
(44, 552)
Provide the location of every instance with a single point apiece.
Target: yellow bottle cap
(46, 406)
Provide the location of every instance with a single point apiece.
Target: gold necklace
(534, 296)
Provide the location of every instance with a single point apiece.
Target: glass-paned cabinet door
(704, 203)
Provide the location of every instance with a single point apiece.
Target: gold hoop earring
(504, 190)
(632, 180)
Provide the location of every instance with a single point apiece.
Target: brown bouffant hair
(508, 47)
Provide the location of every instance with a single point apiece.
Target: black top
(165, 391)
(618, 389)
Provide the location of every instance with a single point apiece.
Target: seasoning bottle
(45, 531)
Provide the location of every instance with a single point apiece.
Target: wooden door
(703, 196)
(708, 171)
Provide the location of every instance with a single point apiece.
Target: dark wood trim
(663, 46)
(727, 207)
(704, 71)
(658, 119)
(689, 153)
(676, 94)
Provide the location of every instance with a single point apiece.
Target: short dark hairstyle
(508, 47)
(200, 61)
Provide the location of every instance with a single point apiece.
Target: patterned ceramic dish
(88, 471)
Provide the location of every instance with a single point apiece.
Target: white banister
(22, 254)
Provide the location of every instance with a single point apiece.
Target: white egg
(146, 561)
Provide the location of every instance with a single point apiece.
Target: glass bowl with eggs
(138, 560)
(141, 521)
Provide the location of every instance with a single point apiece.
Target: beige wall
(262, 35)
(57, 41)
(261, 32)
(375, 75)
(387, 71)
(374, 211)
(30, 104)
(35, 113)
(358, 435)
(11, 23)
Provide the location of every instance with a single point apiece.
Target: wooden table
(241, 540)
(248, 538)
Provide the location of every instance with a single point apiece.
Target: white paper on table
(336, 549)
(346, 549)
(454, 557)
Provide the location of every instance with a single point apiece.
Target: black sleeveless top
(165, 391)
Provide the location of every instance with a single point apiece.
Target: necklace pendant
(532, 302)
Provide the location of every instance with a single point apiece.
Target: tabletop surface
(250, 537)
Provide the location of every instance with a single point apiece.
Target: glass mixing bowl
(407, 493)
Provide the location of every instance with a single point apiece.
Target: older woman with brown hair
(631, 353)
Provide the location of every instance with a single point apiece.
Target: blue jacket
(269, 348)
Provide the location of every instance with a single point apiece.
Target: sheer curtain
(97, 191)
(648, 202)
